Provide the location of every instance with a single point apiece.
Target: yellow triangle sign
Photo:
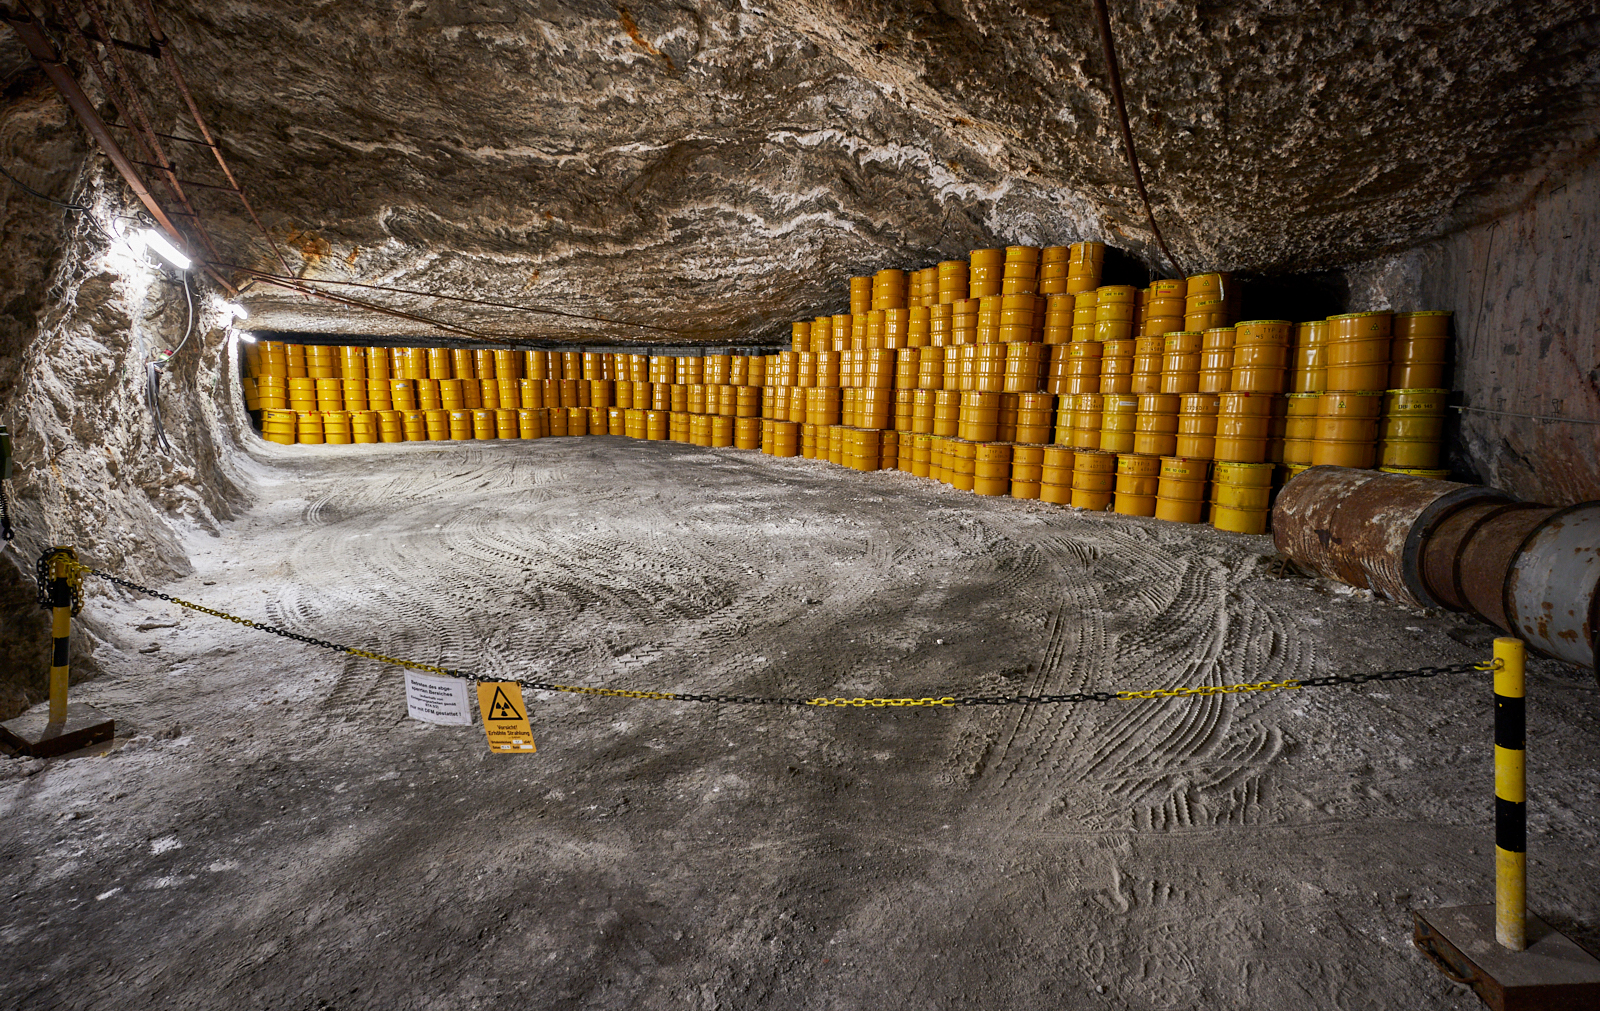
(505, 718)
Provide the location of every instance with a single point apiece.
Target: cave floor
(270, 829)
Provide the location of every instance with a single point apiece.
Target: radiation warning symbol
(505, 717)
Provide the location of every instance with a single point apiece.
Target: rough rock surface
(89, 472)
(1527, 358)
(273, 831)
(718, 168)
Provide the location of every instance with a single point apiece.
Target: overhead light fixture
(247, 336)
(236, 309)
(158, 242)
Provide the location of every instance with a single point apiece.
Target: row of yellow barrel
(490, 394)
(347, 427)
(276, 359)
(1015, 270)
(1232, 496)
(1378, 382)
(1021, 293)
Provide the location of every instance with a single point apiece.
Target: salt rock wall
(88, 470)
(1527, 323)
(718, 168)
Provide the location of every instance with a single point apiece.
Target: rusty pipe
(1367, 528)
(1487, 555)
(1533, 570)
(1441, 553)
(1551, 596)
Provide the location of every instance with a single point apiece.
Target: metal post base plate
(33, 734)
(1553, 974)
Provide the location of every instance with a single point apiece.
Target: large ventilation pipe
(1532, 570)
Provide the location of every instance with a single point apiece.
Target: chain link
(858, 703)
(60, 564)
(6, 532)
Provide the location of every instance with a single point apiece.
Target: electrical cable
(189, 327)
(1114, 72)
(152, 400)
(154, 370)
(33, 192)
(81, 209)
(1535, 417)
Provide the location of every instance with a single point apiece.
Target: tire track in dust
(673, 584)
(1175, 618)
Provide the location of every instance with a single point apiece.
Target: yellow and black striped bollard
(59, 581)
(1510, 797)
(64, 728)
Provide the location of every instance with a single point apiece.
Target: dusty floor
(272, 830)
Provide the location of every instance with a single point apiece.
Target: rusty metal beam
(169, 58)
(44, 53)
(150, 51)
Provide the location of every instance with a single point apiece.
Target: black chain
(6, 533)
(1389, 675)
(971, 700)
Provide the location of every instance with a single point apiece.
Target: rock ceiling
(717, 169)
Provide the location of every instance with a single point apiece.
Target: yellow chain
(880, 703)
(75, 570)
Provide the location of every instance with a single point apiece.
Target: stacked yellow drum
(1180, 367)
(1419, 353)
(1085, 260)
(1138, 479)
(1155, 428)
(1357, 374)
(1244, 420)
(1158, 403)
(1197, 426)
(1181, 490)
(1114, 310)
(1163, 308)
(1094, 479)
(1412, 430)
(1116, 366)
(1027, 470)
(1260, 356)
(1055, 474)
(1210, 300)
(1241, 497)
(1119, 422)
(1216, 360)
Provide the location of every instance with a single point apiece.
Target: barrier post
(59, 591)
(1510, 796)
(64, 726)
(1510, 958)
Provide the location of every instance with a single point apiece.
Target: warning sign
(436, 699)
(505, 719)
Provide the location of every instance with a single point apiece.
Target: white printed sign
(437, 699)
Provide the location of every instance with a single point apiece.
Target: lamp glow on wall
(237, 311)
